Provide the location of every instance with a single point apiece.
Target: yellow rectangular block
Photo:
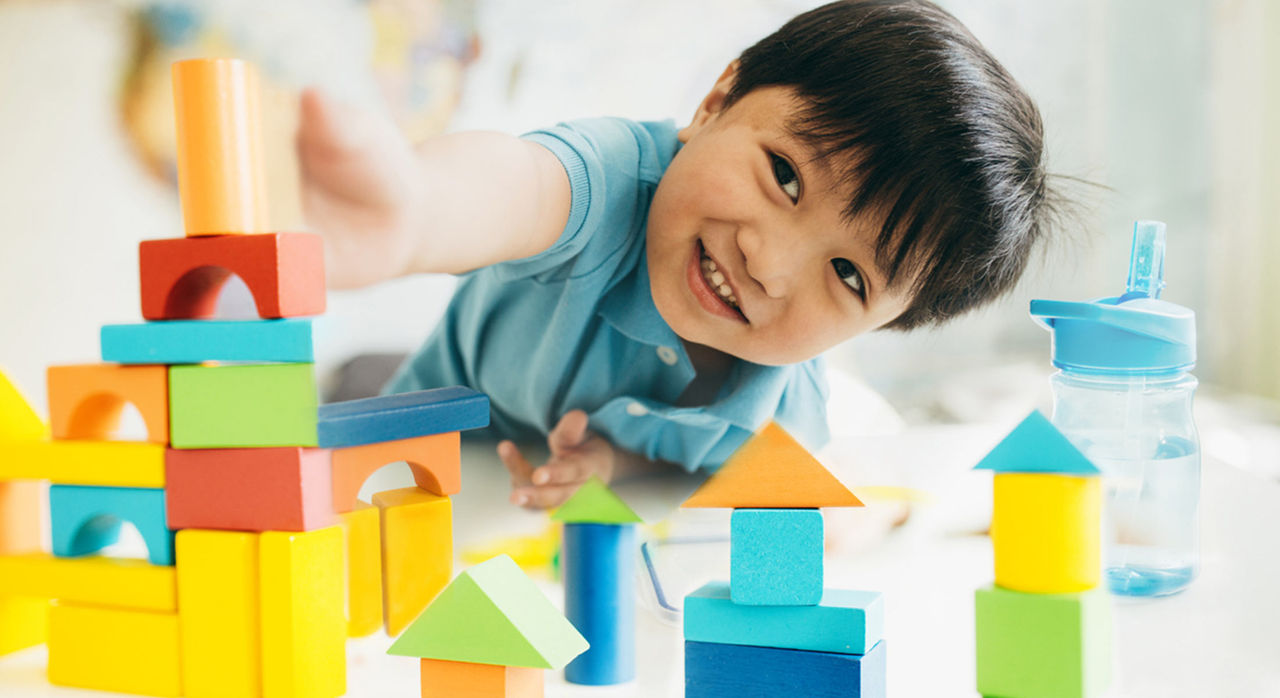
(417, 552)
(1046, 531)
(304, 631)
(96, 581)
(98, 463)
(24, 621)
(221, 626)
(364, 569)
(109, 649)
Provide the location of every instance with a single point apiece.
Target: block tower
(1044, 627)
(775, 629)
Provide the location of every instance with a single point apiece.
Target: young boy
(638, 294)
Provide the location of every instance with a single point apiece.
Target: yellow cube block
(97, 463)
(24, 621)
(96, 581)
(417, 552)
(221, 631)
(364, 569)
(108, 649)
(304, 631)
(1047, 532)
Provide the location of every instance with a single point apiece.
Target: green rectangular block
(1043, 645)
(242, 406)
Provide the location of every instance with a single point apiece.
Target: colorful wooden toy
(845, 622)
(595, 503)
(111, 649)
(466, 680)
(23, 515)
(100, 463)
(1046, 532)
(182, 278)
(417, 552)
(94, 581)
(249, 489)
(436, 462)
(197, 341)
(303, 629)
(721, 671)
(24, 622)
(218, 578)
(86, 400)
(87, 519)
(1036, 446)
(18, 422)
(221, 178)
(362, 529)
(402, 416)
(775, 557)
(242, 406)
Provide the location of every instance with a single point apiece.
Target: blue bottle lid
(1135, 333)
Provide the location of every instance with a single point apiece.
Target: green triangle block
(1036, 446)
(594, 502)
(492, 614)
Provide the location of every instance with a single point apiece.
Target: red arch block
(85, 400)
(182, 277)
(436, 462)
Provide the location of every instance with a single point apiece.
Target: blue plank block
(845, 622)
(599, 563)
(85, 520)
(775, 557)
(737, 671)
(196, 341)
(402, 416)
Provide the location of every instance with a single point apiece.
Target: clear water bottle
(1123, 395)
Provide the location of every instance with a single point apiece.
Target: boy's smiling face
(748, 247)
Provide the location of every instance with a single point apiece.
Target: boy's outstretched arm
(451, 204)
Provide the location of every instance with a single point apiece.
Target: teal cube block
(775, 557)
(844, 622)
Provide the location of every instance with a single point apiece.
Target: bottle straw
(1146, 260)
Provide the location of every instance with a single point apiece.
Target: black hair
(928, 132)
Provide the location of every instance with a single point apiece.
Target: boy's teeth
(716, 280)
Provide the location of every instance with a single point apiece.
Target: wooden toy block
(249, 489)
(95, 581)
(303, 629)
(362, 528)
(402, 416)
(417, 552)
(85, 520)
(198, 341)
(99, 463)
(23, 515)
(600, 601)
(436, 462)
(594, 502)
(845, 622)
(18, 422)
(218, 579)
(721, 671)
(110, 649)
(1043, 645)
(1036, 446)
(181, 278)
(772, 471)
(85, 401)
(242, 406)
(221, 178)
(24, 622)
(1046, 532)
(492, 614)
(775, 557)
(442, 679)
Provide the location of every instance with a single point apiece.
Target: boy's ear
(712, 104)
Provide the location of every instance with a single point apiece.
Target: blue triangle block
(1036, 446)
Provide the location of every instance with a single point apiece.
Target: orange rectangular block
(24, 515)
(436, 462)
(85, 400)
(441, 679)
(417, 552)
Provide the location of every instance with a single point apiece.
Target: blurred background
(1169, 105)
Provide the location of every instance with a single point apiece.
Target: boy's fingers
(543, 497)
(519, 467)
(569, 433)
(561, 471)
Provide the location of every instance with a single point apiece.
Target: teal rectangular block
(255, 406)
(845, 622)
(775, 557)
(196, 341)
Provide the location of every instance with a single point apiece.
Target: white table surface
(1219, 639)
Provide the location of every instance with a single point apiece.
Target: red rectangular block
(249, 489)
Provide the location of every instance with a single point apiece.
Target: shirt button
(668, 356)
(636, 409)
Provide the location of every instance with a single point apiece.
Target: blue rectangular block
(85, 520)
(402, 416)
(775, 557)
(196, 341)
(736, 671)
(845, 622)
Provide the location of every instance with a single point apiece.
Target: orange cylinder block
(221, 177)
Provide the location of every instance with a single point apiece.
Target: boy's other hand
(577, 453)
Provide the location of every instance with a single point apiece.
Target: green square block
(242, 406)
(1043, 645)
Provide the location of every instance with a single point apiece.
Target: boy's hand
(576, 454)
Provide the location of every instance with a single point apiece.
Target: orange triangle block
(772, 471)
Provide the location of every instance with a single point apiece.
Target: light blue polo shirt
(575, 327)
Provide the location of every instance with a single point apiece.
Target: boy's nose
(769, 260)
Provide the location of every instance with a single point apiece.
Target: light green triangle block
(492, 614)
(594, 502)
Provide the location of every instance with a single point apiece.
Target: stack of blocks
(775, 629)
(1044, 627)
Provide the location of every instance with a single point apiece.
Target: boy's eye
(786, 176)
(849, 274)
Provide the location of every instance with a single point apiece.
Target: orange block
(772, 471)
(221, 178)
(85, 400)
(436, 461)
(23, 516)
(417, 552)
(441, 679)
